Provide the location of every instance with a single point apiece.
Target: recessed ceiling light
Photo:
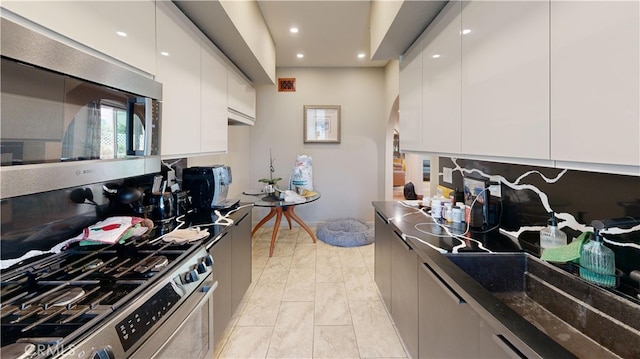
(293, 30)
(300, 56)
(164, 53)
(435, 56)
(466, 31)
(361, 55)
(121, 33)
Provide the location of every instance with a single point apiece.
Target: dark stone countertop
(429, 247)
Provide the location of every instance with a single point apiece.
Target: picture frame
(321, 124)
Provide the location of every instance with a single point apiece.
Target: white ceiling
(331, 33)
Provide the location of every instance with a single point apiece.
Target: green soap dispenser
(551, 236)
(597, 262)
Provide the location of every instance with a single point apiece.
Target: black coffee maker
(208, 187)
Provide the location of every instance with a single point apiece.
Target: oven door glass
(193, 337)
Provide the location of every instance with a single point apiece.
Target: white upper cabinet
(179, 72)
(100, 25)
(241, 98)
(213, 125)
(441, 83)
(595, 81)
(410, 116)
(505, 79)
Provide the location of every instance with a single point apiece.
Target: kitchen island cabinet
(595, 82)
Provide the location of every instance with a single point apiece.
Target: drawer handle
(241, 219)
(382, 218)
(452, 293)
(509, 348)
(402, 241)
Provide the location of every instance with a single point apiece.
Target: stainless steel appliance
(70, 118)
(145, 298)
(208, 186)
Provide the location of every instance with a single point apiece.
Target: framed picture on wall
(321, 124)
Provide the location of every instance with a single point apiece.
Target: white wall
(348, 174)
(392, 89)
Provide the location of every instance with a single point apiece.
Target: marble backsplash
(528, 193)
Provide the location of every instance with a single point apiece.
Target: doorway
(406, 167)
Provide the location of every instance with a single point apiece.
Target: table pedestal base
(289, 213)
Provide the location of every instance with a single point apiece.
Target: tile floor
(310, 301)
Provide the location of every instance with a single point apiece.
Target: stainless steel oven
(171, 318)
(188, 333)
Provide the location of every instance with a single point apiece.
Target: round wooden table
(278, 208)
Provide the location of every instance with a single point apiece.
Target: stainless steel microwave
(69, 118)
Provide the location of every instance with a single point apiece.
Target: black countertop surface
(430, 245)
(418, 224)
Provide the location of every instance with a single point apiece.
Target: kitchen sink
(587, 320)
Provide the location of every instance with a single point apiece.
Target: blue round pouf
(345, 232)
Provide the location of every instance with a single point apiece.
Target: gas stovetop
(54, 300)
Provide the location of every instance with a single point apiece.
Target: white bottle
(551, 236)
(436, 208)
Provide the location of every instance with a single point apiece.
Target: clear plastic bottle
(551, 236)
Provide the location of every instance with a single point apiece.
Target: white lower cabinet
(505, 78)
(595, 81)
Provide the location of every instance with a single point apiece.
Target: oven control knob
(104, 353)
(201, 268)
(191, 276)
(208, 260)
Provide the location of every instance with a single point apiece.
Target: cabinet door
(595, 81)
(448, 327)
(179, 73)
(241, 259)
(505, 78)
(382, 258)
(410, 117)
(492, 345)
(241, 96)
(404, 292)
(441, 82)
(96, 24)
(213, 120)
(222, 303)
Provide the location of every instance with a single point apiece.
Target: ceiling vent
(287, 84)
